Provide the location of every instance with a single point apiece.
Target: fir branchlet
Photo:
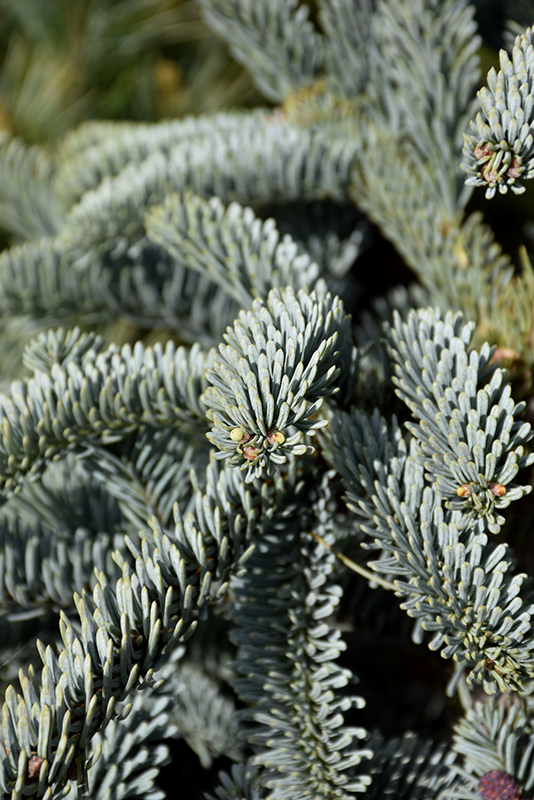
(40, 568)
(438, 38)
(203, 236)
(239, 233)
(495, 739)
(276, 41)
(287, 659)
(349, 34)
(469, 435)
(447, 575)
(204, 717)
(124, 630)
(407, 768)
(100, 400)
(132, 750)
(500, 151)
(59, 347)
(28, 207)
(92, 153)
(240, 784)
(269, 380)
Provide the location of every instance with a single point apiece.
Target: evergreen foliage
(182, 513)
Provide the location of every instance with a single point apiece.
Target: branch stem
(366, 573)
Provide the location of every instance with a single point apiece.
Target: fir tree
(194, 526)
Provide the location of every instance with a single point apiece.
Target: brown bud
(482, 150)
(33, 769)
(489, 175)
(514, 170)
(497, 489)
(464, 490)
(275, 437)
(251, 452)
(499, 785)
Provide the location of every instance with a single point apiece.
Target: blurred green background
(66, 61)
(63, 62)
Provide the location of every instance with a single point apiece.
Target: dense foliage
(244, 540)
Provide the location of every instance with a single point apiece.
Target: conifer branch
(28, 208)
(469, 437)
(268, 382)
(496, 741)
(276, 41)
(99, 400)
(499, 152)
(202, 235)
(450, 579)
(240, 233)
(286, 663)
(125, 628)
(96, 151)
